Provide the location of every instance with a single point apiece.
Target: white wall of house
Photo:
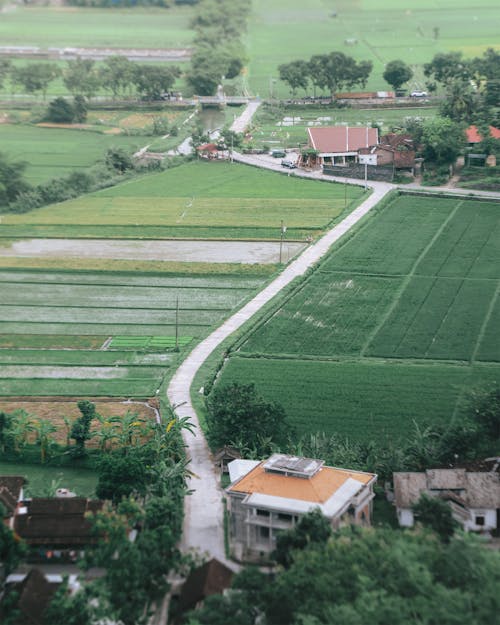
(481, 520)
(405, 517)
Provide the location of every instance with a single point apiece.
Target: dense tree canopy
(443, 140)
(12, 181)
(238, 414)
(379, 577)
(396, 73)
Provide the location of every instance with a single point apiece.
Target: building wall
(405, 517)
(356, 170)
(489, 516)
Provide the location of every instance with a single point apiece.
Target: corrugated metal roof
(341, 139)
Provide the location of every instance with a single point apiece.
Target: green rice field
(72, 27)
(403, 312)
(367, 30)
(54, 152)
(197, 200)
(130, 323)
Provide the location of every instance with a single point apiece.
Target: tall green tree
(152, 80)
(435, 514)
(34, 77)
(396, 73)
(12, 182)
(446, 67)
(5, 67)
(485, 410)
(80, 430)
(295, 75)
(238, 412)
(443, 139)
(311, 528)
(81, 77)
(117, 74)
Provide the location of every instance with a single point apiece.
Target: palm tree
(43, 429)
(133, 429)
(108, 431)
(21, 425)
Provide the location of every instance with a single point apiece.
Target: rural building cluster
(250, 308)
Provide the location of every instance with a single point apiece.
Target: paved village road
(203, 526)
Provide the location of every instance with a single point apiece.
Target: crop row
(76, 315)
(106, 296)
(103, 329)
(181, 282)
(330, 315)
(84, 357)
(213, 212)
(148, 342)
(469, 244)
(392, 240)
(363, 400)
(124, 387)
(435, 318)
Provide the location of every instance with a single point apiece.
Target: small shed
(211, 578)
(224, 456)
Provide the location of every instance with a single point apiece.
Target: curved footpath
(203, 524)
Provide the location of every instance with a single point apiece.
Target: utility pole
(177, 325)
(282, 234)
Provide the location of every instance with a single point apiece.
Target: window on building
(285, 517)
(260, 512)
(480, 520)
(263, 532)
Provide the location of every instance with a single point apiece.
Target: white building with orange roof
(268, 497)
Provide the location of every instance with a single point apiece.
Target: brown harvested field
(55, 409)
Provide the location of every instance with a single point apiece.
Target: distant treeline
(166, 4)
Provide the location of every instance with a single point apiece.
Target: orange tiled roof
(473, 135)
(317, 489)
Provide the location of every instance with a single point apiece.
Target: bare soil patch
(247, 252)
(55, 409)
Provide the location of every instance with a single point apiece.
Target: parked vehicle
(419, 94)
(278, 153)
(289, 164)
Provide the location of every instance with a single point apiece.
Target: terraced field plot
(197, 200)
(418, 283)
(376, 31)
(49, 307)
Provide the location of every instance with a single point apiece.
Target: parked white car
(419, 94)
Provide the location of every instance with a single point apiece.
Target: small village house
(268, 497)
(473, 496)
(11, 494)
(336, 145)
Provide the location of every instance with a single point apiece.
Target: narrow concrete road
(203, 526)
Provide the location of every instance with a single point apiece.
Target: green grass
(399, 322)
(198, 200)
(286, 126)
(73, 27)
(53, 152)
(384, 31)
(42, 478)
(360, 400)
(48, 311)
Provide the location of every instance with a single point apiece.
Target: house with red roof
(473, 135)
(269, 497)
(337, 145)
